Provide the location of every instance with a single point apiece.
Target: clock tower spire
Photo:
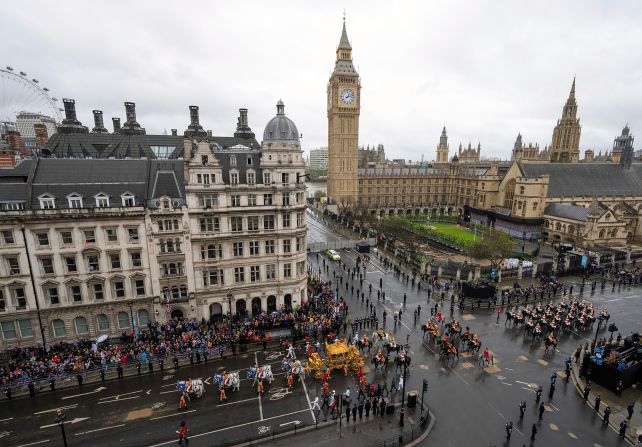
(344, 102)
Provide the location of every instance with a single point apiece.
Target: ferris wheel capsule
(9, 68)
(23, 73)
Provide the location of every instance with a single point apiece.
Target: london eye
(19, 92)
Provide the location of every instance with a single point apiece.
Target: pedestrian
(32, 389)
(182, 433)
(347, 412)
(52, 384)
(175, 360)
(119, 370)
(393, 385)
(382, 407)
(618, 388)
(315, 404)
(161, 363)
(533, 432)
(587, 390)
(182, 402)
(623, 425)
(553, 378)
(354, 413)
(598, 399)
(102, 374)
(404, 300)
(150, 366)
(538, 393)
(542, 408)
(79, 379)
(367, 406)
(509, 429)
(522, 409)
(551, 391)
(375, 408)
(629, 409)
(607, 413)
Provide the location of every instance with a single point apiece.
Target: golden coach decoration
(339, 355)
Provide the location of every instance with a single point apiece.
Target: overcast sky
(485, 69)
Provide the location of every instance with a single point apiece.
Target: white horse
(195, 390)
(232, 380)
(263, 373)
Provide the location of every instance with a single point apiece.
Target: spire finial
(344, 43)
(572, 94)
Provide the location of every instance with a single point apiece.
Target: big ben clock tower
(344, 102)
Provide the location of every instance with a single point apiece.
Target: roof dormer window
(128, 199)
(47, 201)
(102, 200)
(74, 200)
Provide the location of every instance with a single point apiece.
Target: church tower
(442, 149)
(344, 103)
(565, 147)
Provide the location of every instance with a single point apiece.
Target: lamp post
(229, 307)
(403, 393)
(60, 420)
(600, 320)
(131, 314)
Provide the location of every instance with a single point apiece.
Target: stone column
(534, 269)
(439, 272)
(470, 275)
(477, 272)
(428, 269)
(458, 274)
(499, 275)
(520, 271)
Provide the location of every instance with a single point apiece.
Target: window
(111, 234)
(102, 200)
(270, 271)
(236, 200)
(97, 288)
(47, 266)
(209, 224)
(59, 328)
(509, 193)
(80, 323)
(20, 299)
(300, 220)
(267, 178)
(251, 177)
(136, 260)
(205, 179)
(143, 318)
(43, 239)
(128, 199)
(267, 199)
(300, 268)
(133, 234)
(3, 303)
(114, 258)
(237, 249)
(90, 236)
(52, 294)
(299, 244)
(47, 202)
(71, 263)
(251, 200)
(521, 190)
(269, 247)
(213, 277)
(534, 206)
(123, 320)
(14, 266)
(139, 285)
(204, 160)
(239, 274)
(165, 204)
(286, 220)
(92, 263)
(287, 245)
(26, 330)
(254, 248)
(249, 160)
(232, 160)
(102, 322)
(299, 197)
(255, 273)
(236, 223)
(253, 223)
(234, 178)
(285, 178)
(9, 330)
(74, 291)
(168, 225)
(67, 238)
(211, 251)
(287, 270)
(268, 222)
(119, 289)
(7, 237)
(286, 199)
(208, 201)
(74, 200)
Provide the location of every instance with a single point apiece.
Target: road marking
(237, 402)
(307, 396)
(56, 409)
(34, 443)
(288, 423)
(148, 392)
(5, 420)
(610, 301)
(99, 429)
(97, 390)
(527, 389)
(116, 396)
(523, 383)
(169, 384)
(173, 441)
(117, 400)
(553, 427)
(170, 415)
(256, 362)
(509, 384)
(264, 429)
(73, 421)
(170, 391)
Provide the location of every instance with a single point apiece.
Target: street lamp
(229, 307)
(60, 420)
(131, 314)
(403, 393)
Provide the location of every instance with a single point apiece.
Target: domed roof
(280, 127)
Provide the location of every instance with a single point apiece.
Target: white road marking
(56, 409)
(173, 441)
(610, 301)
(73, 421)
(5, 420)
(236, 402)
(117, 400)
(97, 390)
(173, 414)
(170, 391)
(148, 392)
(508, 384)
(34, 443)
(288, 423)
(169, 384)
(527, 389)
(256, 362)
(307, 396)
(116, 396)
(99, 429)
(523, 383)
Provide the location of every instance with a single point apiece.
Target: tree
(495, 246)
(398, 228)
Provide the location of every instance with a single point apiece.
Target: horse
(262, 373)
(232, 380)
(550, 342)
(383, 362)
(195, 390)
(399, 362)
(294, 367)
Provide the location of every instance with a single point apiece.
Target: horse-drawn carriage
(294, 367)
(228, 380)
(192, 388)
(340, 355)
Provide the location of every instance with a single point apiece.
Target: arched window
(59, 329)
(509, 193)
(102, 322)
(521, 190)
(271, 303)
(123, 320)
(601, 234)
(175, 295)
(143, 318)
(80, 323)
(184, 291)
(558, 226)
(256, 305)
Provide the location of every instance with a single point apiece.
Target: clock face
(347, 96)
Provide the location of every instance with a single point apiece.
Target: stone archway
(177, 313)
(216, 310)
(271, 303)
(287, 302)
(256, 306)
(241, 308)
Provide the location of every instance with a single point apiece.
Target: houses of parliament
(545, 194)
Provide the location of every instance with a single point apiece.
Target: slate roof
(222, 143)
(242, 165)
(114, 145)
(572, 212)
(587, 179)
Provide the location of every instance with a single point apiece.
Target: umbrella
(101, 339)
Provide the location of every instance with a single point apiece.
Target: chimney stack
(242, 128)
(99, 124)
(209, 132)
(174, 132)
(116, 122)
(193, 115)
(70, 109)
(71, 124)
(243, 117)
(194, 130)
(131, 127)
(41, 134)
(15, 140)
(130, 112)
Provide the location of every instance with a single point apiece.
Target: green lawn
(454, 231)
